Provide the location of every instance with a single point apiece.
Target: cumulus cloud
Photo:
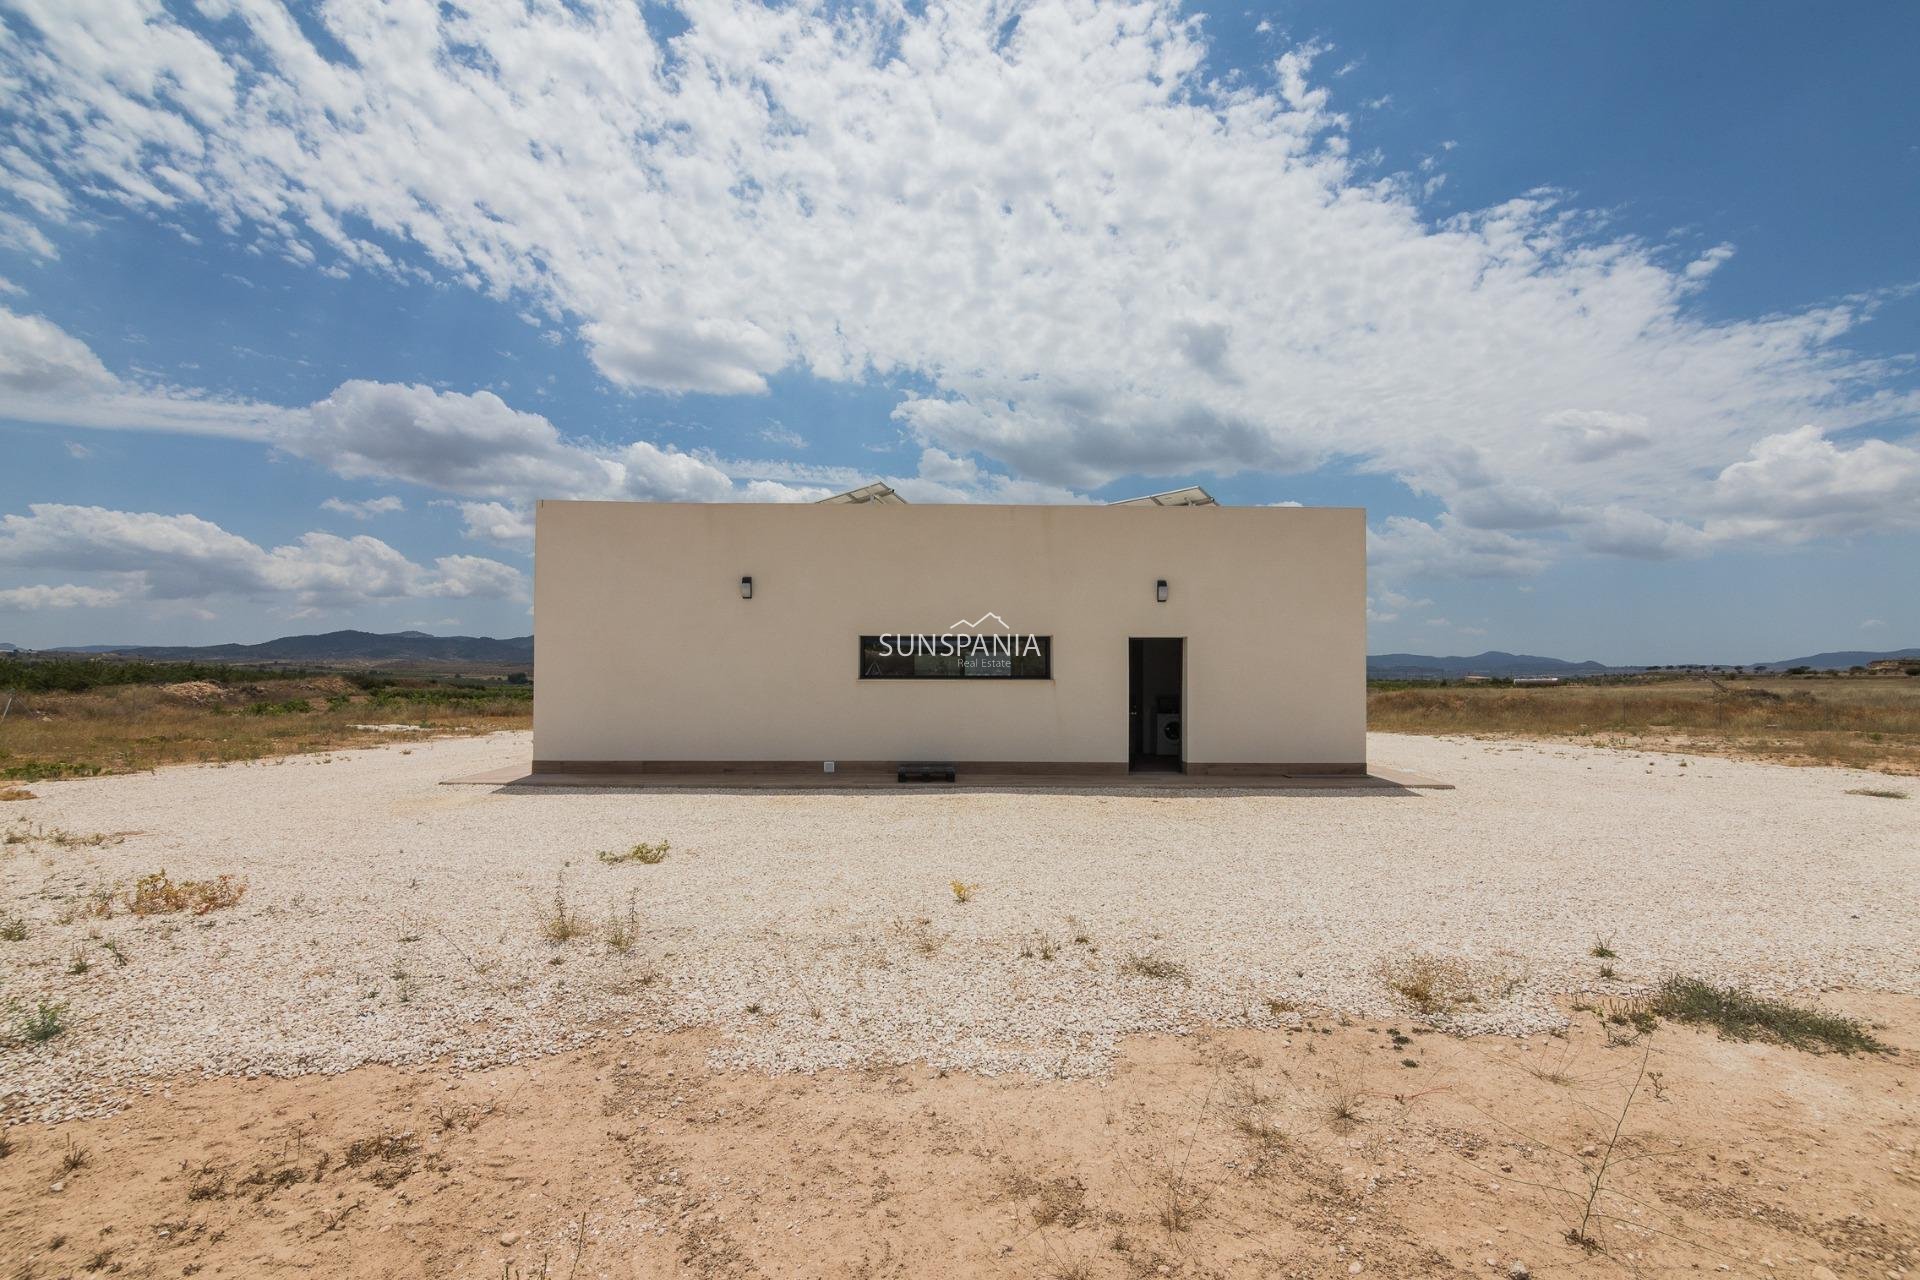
(1403, 547)
(496, 522)
(37, 356)
(366, 509)
(1090, 255)
(183, 557)
(66, 596)
(1799, 484)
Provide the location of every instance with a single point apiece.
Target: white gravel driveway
(392, 919)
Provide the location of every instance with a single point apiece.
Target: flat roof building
(1167, 633)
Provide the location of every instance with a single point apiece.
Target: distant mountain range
(418, 646)
(337, 646)
(1421, 666)
(1841, 660)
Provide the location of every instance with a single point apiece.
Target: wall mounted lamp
(746, 588)
(1160, 591)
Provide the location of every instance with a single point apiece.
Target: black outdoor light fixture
(1160, 591)
(746, 588)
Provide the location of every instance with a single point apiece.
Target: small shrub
(643, 853)
(47, 1019)
(1606, 972)
(1602, 948)
(1881, 793)
(1154, 965)
(75, 1157)
(1342, 1108)
(1741, 1015)
(560, 920)
(286, 707)
(962, 891)
(13, 929)
(77, 961)
(623, 928)
(159, 894)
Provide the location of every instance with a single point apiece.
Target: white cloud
(182, 557)
(1594, 435)
(1622, 531)
(38, 357)
(79, 451)
(61, 597)
(1799, 484)
(496, 522)
(1872, 624)
(1096, 258)
(366, 509)
(1384, 604)
(774, 433)
(468, 444)
(1402, 548)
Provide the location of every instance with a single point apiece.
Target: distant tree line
(74, 675)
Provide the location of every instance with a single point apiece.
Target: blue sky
(1607, 316)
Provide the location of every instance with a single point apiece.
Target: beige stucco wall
(645, 651)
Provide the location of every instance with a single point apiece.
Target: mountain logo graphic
(964, 625)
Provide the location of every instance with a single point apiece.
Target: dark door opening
(1156, 676)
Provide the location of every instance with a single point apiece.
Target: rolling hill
(1420, 666)
(341, 646)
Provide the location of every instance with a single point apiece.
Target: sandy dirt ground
(1318, 1152)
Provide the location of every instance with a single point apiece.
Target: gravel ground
(390, 919)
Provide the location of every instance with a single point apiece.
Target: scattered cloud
(366, 509)
(147, 555)
(61, 597)
(1404, 548)
(1873, 624)
(497, 522)
(785, 437)
(37, 357)
(79, 451)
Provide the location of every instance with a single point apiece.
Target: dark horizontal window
(956, 656)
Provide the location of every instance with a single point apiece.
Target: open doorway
(1156, 675)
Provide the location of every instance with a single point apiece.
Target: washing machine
(1166, 733)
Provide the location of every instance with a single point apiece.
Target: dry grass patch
(1871, 723)
(1155, 965)
(1878, 793)
(15, 793)
(645, 854)
(1437, 985)
(131, 728)
(159, 894)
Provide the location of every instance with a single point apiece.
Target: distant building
(1476, 679)
(1519, 680)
